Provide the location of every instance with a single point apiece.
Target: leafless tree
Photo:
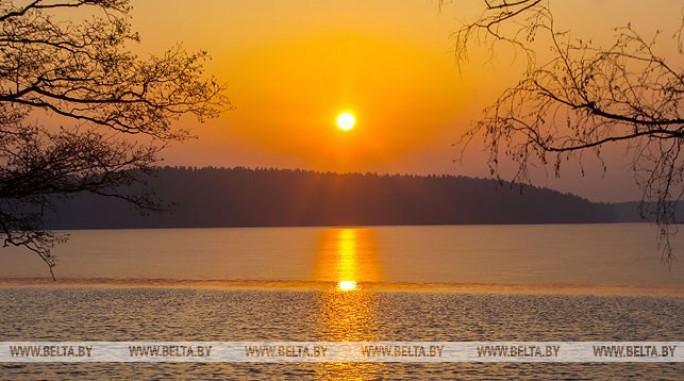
(584, 97)
(79, 112)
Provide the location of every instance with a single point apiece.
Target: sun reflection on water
(348, 258)
(346, 285)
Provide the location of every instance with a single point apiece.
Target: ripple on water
(139, 314)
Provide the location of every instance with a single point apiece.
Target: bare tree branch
(80, 74)
(585, 97)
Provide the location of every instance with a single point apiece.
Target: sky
(292, 66)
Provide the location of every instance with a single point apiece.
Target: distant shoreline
(362, 226)
(243, 197)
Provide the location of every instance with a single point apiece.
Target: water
(92, 313)
(452, 283)
(612, 254)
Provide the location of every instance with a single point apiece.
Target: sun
(346, 121)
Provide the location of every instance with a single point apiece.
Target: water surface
(176, 314)
(610, 254)
(430, 283)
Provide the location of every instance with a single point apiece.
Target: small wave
(12, 366)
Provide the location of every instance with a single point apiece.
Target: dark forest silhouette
(241, 197)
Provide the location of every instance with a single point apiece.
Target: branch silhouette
(583, 98)
(79, 112)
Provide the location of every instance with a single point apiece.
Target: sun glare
(346, 285)
(346, 121)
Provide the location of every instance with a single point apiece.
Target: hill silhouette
(242, 197)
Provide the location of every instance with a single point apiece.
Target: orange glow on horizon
(291, 66)
(316, 75)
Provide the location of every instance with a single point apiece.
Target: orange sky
(293, 65)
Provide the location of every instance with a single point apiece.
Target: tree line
(243, 197)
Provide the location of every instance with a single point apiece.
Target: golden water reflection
(347, 285)
(347, 259)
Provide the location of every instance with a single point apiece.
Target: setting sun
(346, 121)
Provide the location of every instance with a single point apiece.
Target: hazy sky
(292, 66)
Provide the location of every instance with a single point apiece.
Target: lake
(428, 283)
(601, 254)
